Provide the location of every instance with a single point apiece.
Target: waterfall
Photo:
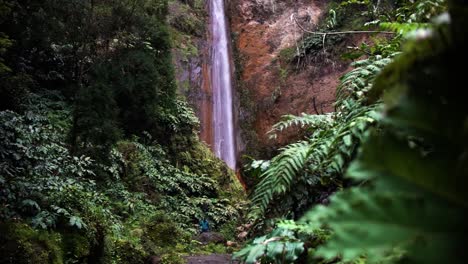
(223, 121)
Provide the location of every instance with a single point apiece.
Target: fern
(414, 207)
(277, 179)
(420, 11)
(344, 140)
(332, 139)
(304, 121)
(280, 244)
(356, 83)
(384, 223)
(383, 220)
(404, 28)
(326, 154)
(411, 202)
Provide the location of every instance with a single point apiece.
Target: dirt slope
(264, 31)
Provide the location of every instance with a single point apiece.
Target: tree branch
(315, 106)
(341, 32)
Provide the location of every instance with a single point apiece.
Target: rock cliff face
(189, 26)
(265, 34)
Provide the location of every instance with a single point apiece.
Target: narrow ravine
(223, 121)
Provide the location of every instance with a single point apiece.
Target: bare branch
(341, 32)
(315, 106)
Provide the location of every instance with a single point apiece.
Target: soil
(261, 31)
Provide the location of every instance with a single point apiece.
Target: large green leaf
(387, 155)
(280, 246)
(382, 225)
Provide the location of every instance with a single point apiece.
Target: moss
(195, 156)
(247, 103)
(172, 258)
(228, 230)
(213, 248)
(210, 248)
(162, 232)
(344, 17)
(21, 244)
(286, 55)
(76, 247)
(184, 44)
(186, 18)
(184, 85)
(127, 252)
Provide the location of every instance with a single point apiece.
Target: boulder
(211, 237)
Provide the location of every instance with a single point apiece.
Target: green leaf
(348, 140)
(255, 252)
(386, 155)
(76, 221)
(378, 225)
(31, 203)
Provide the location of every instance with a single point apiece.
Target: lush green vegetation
(393, 154)
(100, 160)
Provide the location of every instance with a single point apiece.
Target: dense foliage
(403, 199)
(99, 158)
(321, 158)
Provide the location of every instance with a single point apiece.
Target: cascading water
(223, 121)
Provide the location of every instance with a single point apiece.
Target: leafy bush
(44, 185)
(94, 143)
(279, 246)
(38, 172)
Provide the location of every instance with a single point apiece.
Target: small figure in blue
(204, 226)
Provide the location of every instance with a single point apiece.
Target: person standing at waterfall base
(204, 225)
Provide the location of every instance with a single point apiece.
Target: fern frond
(404, 28)
(303, 121)
(280, 175)
(358, 81)
(379, 224)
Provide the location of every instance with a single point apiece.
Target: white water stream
(223, 121)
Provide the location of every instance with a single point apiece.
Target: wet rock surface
(211, 237)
